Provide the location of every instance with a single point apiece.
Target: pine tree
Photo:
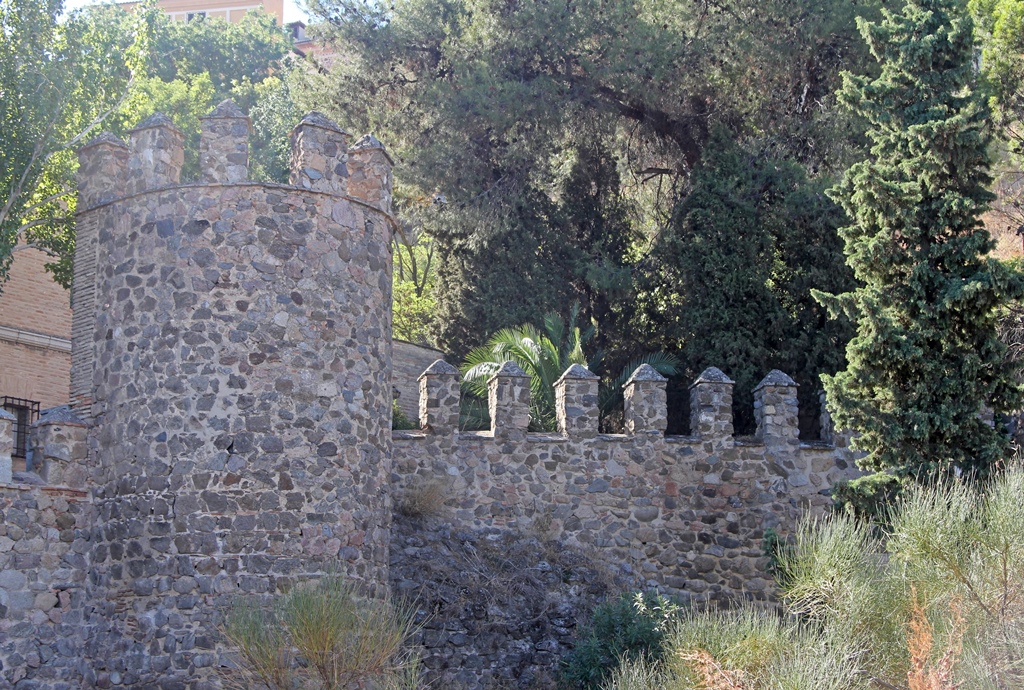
(926, 360)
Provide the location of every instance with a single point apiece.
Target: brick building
(187, 10)
(35, 344)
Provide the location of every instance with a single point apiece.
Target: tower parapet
(320, 155)
(369, 168)
(224, 145)
(102, 170)
(231, 351)
(157, 154)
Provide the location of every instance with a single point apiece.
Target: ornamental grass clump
(322, 635)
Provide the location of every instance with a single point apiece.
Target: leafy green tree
(564, 135)
(61, 78)
(729, 280)
(414, 277)
(926, 359)
(274, 114)
(195, 65)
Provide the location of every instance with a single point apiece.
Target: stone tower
(231, 351)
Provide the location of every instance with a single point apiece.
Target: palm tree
(544, 355)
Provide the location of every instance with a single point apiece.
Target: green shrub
(399, 420)
(934, 598)
(867, 498)
(775, 548)
(626, 629)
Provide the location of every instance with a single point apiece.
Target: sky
(291, 8)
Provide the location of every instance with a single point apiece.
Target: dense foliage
(563, 142)
(621, 631)
(934, 603)
(60, 78)
(926, 359)
(195, 65)
(728, 281)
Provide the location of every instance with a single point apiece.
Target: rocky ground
(497, 609)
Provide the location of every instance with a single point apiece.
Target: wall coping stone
(368, 142)
(578, 372)
(318, 119)
(712, 375)
(438, 368)
(153, 121)
(510, 370)
(104, 139)
(776, 378)
(226, 109)
(645, 372)
(62, 414)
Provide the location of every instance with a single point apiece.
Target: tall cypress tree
(926, 360)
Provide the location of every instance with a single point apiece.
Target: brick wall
(32, 301)
(34, 373)
(32, 305)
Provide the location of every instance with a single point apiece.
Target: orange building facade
(187, 10)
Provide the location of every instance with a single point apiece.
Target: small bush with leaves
(399, 420)
(628, 628)
(322, 635)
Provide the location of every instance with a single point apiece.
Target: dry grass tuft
(423, 498)
(322, 635)
(710, 673)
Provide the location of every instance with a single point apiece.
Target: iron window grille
(25, 413)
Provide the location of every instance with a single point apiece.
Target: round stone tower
(232, 349)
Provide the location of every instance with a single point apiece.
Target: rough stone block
(645, 401)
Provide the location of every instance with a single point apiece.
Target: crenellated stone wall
(684, 514)
(229, 432)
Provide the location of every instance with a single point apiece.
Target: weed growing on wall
(322, 635)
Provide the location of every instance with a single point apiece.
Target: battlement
(321, 159)
(645, 411)
(685, 514)
(230, 434)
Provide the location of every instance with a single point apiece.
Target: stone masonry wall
(683, 514)
(231, 354)
(229, 428)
